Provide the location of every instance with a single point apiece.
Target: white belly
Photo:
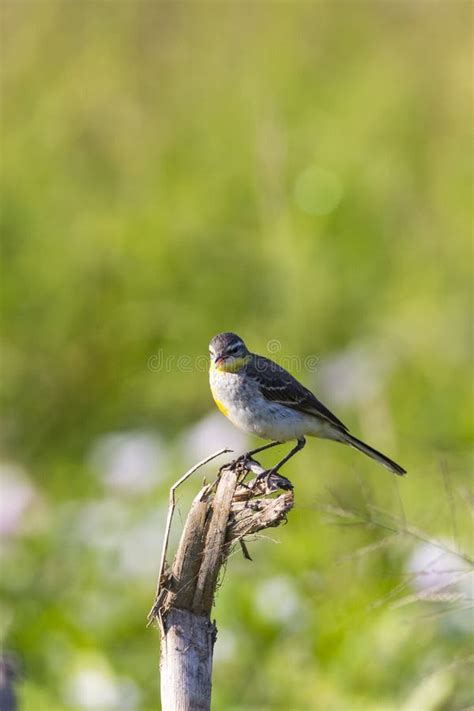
(244, 405)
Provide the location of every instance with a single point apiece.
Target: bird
(261, 398)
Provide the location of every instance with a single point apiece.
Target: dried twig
(169, 519)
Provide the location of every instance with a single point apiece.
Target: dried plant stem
(169, 519)
(220, 516)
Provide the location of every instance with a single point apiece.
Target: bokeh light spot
(317, 191)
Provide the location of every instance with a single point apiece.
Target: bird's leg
(245, 458)
(299, 445)
(274, 470)
(248, 455)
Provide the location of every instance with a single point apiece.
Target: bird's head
(228, 352)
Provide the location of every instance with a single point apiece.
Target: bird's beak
(219, 359)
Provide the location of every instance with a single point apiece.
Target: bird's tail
(371, 452)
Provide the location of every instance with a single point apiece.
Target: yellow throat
(232, 366)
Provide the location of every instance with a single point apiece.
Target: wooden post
(220, 516)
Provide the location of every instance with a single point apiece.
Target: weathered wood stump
(221, 515)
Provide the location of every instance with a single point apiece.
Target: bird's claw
(242, 461)
(272, 480)
(266, 480)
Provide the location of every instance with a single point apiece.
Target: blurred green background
(299, 173)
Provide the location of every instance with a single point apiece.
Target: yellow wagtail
(262, 398)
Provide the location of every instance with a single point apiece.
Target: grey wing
(278, 385)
